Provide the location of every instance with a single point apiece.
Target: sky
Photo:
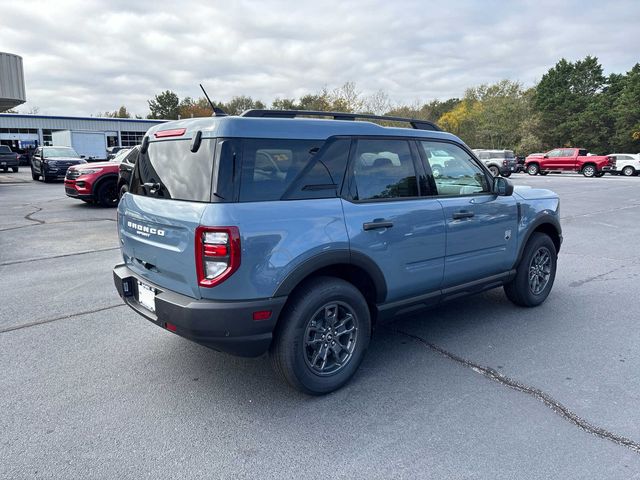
(86, 57)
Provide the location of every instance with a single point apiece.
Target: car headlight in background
(89, 171)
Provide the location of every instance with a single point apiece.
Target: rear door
(481, 226)
(170, 189)
(389, 219)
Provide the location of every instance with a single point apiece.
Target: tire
(533, 169)
(525, 292)
(506, 174)
(45, 179)
(34, 176)
(123, 189)
(628, 171)
(5, 169)
(589, 170)
(495, 171)
(15, 169)
(107, 194)
(298, 353)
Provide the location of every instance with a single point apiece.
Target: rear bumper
(224, 326)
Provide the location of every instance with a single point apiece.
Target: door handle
(462, 214)
(378, 224)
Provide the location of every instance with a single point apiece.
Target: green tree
(627, 113)
(164, 106)
(122, 112)
(566, 99)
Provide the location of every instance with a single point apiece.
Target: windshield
(60, 152)
(121, 154)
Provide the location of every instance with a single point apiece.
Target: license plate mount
(147, 296)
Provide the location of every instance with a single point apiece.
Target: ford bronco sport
(267, 232)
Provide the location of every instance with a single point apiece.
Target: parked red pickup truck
(569, 160)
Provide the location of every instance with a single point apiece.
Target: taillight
(504, 163)
(217, 254)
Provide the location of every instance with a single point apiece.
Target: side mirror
(502, 187)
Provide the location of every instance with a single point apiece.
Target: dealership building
(27, 131)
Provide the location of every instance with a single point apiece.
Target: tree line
(573, 105)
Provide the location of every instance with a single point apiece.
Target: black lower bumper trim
(224, 326)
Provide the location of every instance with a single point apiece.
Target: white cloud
(83, 57)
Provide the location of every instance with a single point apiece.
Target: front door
(390, 220)
(481, 226)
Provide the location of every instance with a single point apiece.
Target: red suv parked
(95, 182)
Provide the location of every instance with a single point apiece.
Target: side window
(454, 173)
(270, 165)
(383, 169)
(132, 158)
(484, 156)
(555, 153)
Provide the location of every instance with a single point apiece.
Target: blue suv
(288, 233)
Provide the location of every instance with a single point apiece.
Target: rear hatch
(157, 220)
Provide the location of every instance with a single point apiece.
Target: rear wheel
(495, 171)
(535, 273)
(15, 169)
(533, 169)
(628, 171)
(107, 194)
(322, 336)
(589, 171)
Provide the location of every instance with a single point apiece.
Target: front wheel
(34, 175)
(322, 336)
(123, 189)
(535, 273)
(533, 169)
(495, 171)
(107, 195)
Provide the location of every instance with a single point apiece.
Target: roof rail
(414, 122)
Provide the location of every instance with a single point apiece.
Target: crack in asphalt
(85, 252)
(28, 216)
(64, 317)
(544, 397)
(42, 222)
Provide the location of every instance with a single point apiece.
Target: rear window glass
(270, 165)
(170, 170)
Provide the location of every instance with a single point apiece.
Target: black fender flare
(101, 180)
(545, 219)
(331, 258)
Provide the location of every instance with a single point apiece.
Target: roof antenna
(217, 112)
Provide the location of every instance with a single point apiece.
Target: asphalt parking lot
(477, 388)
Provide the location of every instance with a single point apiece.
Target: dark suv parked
(296, 236)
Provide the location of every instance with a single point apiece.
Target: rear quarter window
(269, 166)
